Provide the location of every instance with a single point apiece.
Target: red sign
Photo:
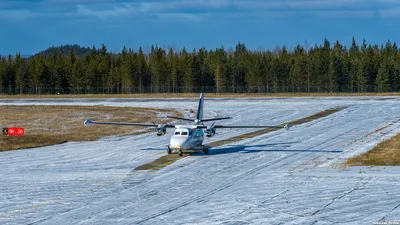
(16, 131)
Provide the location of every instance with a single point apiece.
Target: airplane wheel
(169, 150)
(206, 150)
(180, 153)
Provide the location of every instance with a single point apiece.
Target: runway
(282, 177)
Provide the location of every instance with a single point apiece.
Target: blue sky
(31, 26)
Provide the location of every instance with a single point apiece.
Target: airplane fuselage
(187, 138)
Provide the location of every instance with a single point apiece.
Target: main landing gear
(206, 149)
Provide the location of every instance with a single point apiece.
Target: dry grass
(49, 125)
(384, 154)
(196, 95)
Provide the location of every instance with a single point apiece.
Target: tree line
(320, 68)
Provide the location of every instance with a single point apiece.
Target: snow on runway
(283, 177)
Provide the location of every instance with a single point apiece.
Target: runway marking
(170, 158)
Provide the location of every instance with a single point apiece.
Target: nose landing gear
(170, 150)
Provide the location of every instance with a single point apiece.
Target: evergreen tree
(336, 68)
(142, 71)
(255, 73)
(396, 80)
(312, 68)
(10, 75)
(382, 80)
(353, 65)
(298, 69)
(219, 70)
(219, 77)
(203, 70)
(240, 65)
(20, 73)
(186, 62)
(320, 68)
(36, 73)
(126, 71)
(268, 62)
(79, 77)
(327, 80)
(3, 69)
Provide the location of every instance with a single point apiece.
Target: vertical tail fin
(200, 109)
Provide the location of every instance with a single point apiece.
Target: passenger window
(184, 133)
(177, 133)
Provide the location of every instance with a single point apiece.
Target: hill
(65, 49)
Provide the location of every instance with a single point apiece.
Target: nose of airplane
(178, 142)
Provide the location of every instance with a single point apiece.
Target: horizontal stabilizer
(213, 119)
(206, 120)
(180, 118)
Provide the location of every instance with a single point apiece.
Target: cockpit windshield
(183, 132)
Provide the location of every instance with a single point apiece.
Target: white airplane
(187, 136)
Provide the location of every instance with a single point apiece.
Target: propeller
(211, 130)
(212, 125)
(160, 126)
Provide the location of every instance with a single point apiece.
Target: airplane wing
(287, 126)
(223, 126)
(180, 118)
(88, 122)
(210, 130)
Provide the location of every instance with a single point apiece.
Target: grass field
(49, 125)
(195, 95)
(384, 154)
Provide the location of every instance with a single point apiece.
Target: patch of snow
(280, 177)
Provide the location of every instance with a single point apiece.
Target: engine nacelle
(161, 133)
(161, 130)
(210, 132)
